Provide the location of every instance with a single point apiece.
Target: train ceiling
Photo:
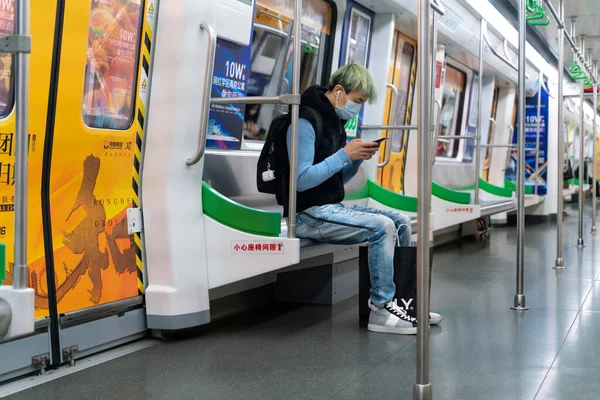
(588, 23)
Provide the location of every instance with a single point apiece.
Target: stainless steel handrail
(297, 51)
(482, 29)
(22, 89)
(510, 140)
(389, 127)
(439, 8)
(580, 241)
(438, 120)
(492, 129)
(282, 99)
(205, 107)
(388, 146)
(594, 150)
(500, 56)
(562, 30)
(460, 137)
(519, 302)
(422, 387)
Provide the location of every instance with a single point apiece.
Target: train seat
(233, 174)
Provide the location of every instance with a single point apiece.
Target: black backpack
(273, 166)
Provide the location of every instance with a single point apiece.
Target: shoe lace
(399, 311)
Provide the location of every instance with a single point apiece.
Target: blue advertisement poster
(531, 119)
(230, 79)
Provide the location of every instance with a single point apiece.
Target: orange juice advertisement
(93, 149)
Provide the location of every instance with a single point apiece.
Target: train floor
(481, 350)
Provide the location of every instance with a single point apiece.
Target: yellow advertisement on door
(98, 124)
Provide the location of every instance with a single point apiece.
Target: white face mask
(350, 110)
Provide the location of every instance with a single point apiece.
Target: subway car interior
(135, 131)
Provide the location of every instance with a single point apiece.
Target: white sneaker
(391, 319)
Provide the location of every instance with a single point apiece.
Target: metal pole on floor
(422, 388)
(594, 161)
(520, 302)
(580, 243)
(560, 261)
(21, 269)
(482, 29)
(295, 117)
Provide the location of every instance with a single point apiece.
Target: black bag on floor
(405, 279)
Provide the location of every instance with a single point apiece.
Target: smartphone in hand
(380, 140)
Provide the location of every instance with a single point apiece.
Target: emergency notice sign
(259, 247)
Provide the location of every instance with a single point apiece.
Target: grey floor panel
(570, 383)
(483, 350)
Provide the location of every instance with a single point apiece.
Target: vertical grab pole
(594, 162)
(21, 269)
(433, 70)
(580, 243)
(295, 117)
(482, 30)
(520, 303)
(560, 261)
(422, 389)
(537, 137)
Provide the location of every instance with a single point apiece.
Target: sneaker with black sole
(391, 319)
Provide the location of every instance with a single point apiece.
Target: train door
(492, 130)
(91, 176)
(398, 110)
(17, 355)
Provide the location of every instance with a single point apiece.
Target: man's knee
(384, 225)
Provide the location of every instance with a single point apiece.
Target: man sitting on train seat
(325, 163)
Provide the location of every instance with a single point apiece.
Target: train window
(271, 58)
(7, 83)
(454, 88)
(112, 63)
(357, 49)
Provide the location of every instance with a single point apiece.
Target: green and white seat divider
(531, 199)
(242, 242)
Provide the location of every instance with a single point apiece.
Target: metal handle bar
(388, 146)
(511, 129)
(390, 127)
(561, 25)
(436, 133)
(438, 7)
(493, 122)
(282, 99)
(460, 137)
(210, 63)
(500, 56)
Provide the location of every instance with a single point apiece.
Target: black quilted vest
(330, 137)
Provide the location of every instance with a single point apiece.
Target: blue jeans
(337, 224)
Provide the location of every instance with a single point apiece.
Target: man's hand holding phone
(359, 150)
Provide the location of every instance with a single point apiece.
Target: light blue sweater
(309, 175)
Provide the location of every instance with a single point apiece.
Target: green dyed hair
(355, 77)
